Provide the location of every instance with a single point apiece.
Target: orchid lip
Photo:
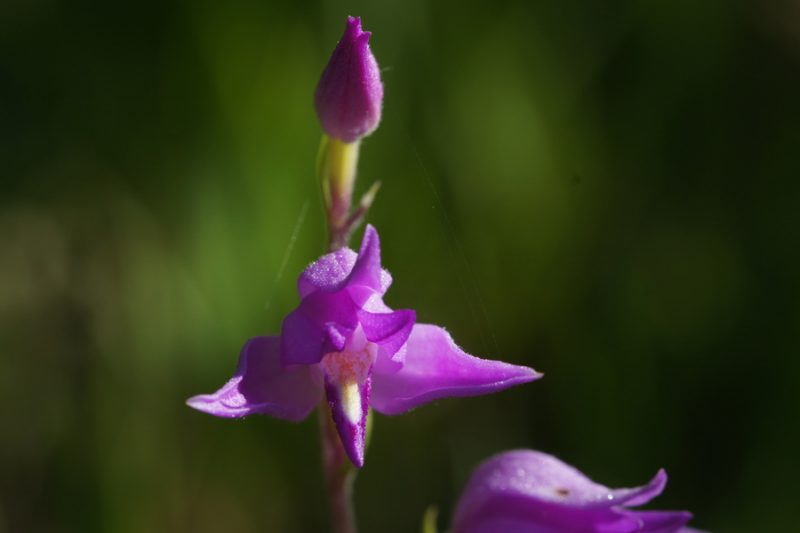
(347, 385)
(347, 371)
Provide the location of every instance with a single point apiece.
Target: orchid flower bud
(349, 95)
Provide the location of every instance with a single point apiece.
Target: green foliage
(607, 193)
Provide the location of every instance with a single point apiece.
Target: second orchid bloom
(525, 491)
(344, 341)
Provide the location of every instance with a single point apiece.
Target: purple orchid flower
(526, 491)
(343, 340)
(349, 95)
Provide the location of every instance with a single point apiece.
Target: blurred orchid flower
(526, 491)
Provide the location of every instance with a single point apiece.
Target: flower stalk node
(337, 165)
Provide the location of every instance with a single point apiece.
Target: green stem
(337, 168)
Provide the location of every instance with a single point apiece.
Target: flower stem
(339, 475)
(336, 167)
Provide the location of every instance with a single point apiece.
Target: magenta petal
(328, 273)
(660, 521)
(434, 367)
(335, 289)
(261, 385)
(367, 269)
(645, 493)
(319, 325)
(542, 493)
(360, 273)
(336, 337)
(389, 331)
(352, 430)
(301, 340)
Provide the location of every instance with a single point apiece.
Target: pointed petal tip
(659, 482)
(519, 376)
(367, 268)
(370, 233)
(363, 37)
(353, 444)
(531, 374)
(349, 406)
(209, 404)
(352, 28)
(645, 493)
(195, 402)
(357, 459)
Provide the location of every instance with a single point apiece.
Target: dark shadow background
(605, 191)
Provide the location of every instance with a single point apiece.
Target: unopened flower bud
(350, 93)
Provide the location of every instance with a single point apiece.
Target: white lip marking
(351, 401)
(348, 371)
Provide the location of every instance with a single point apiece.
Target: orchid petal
(319, 325)
(349, 407)
(389, 331)
(546, 494)
(262, 386)
(434, 367)
(367, 269)
(641, 495)
(660, 521)
(360, 273)
(326, 274)
(348, 385)
(301, 339)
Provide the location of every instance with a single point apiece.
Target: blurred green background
(606, 191)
